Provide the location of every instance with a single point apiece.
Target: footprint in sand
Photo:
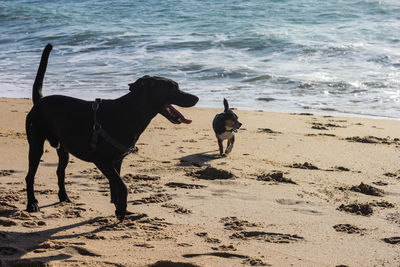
(224, 248)
(284, 201)
(308, 211)
(94, 237)
(184, 186)
(6, 172)
(267, 237)
(348, 228)
(255, 262)
(208, 239)
(394, 218)
(178, 209)
(158, 198)
(143, 245)
(129, 177)
(81, 251)
(7, 223)
(33, 224)
(382, 204)
(233, 223)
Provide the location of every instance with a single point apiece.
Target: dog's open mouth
(174, 116)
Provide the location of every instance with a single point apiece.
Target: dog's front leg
(221, 148)
(116, 185)
(113, 189)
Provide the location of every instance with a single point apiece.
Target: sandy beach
(297, 190)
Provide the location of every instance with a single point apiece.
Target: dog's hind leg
(35, 153)
(116, 185)
(63, 158)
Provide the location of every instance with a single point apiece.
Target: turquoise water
(329, 57)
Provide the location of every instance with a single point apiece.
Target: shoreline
(306, 190)
(303, 111)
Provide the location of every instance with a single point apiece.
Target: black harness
(98, 130)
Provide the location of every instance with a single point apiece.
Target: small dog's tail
(226, 105)
(37, 86)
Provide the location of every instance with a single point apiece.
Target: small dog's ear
(226, 105)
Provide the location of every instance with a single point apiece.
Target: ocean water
(337, 57)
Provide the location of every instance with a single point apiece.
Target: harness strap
(97, 129)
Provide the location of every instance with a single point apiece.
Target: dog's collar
(97, 129)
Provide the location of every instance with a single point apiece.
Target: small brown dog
(224, 125)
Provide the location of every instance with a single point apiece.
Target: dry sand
(305, 190)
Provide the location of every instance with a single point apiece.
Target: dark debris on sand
(267, 130)
(172, 264)
(367, 190)
(305, 165)
(393, 174)
(275, 177)
(359, 209)
(211, 173)
(392, 240)
(373, 140)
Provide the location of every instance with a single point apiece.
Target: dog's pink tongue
(184, 120)
(178, 115)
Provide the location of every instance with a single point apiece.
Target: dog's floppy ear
(226, 105)
(140, 83)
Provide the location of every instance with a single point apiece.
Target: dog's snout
(183, 99)
(238, 124)
(195, 99)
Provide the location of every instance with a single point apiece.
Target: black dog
(102, 132)
(224, 125)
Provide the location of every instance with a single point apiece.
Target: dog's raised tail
(37, 85)
(226, 105)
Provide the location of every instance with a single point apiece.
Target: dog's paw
(120, 215)
(223, 155)
(228, 149)
(64, 198)
(32, 206)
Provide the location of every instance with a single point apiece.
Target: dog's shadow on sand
(15, 245)
(199, 159)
